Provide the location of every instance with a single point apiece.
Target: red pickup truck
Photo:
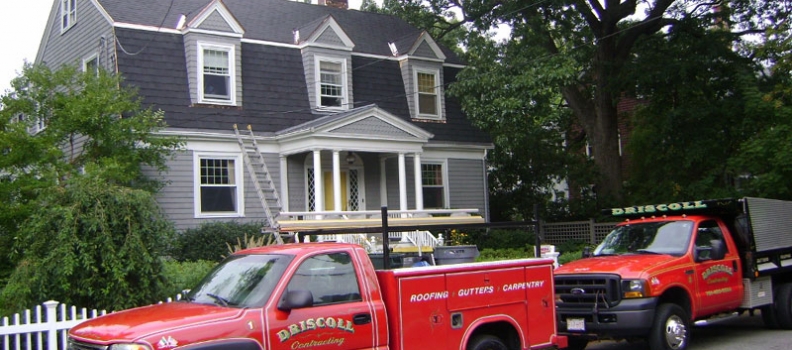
(329, 296)
(668, 265)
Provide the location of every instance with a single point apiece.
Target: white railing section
(46, 326)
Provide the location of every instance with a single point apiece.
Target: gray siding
(90, 35)
(191, 54)
(309, 64)
(296, 174)
(371, 172)
(177, 197)
(466, 184)
(216, 22)
(392, 182)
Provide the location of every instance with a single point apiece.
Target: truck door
(338, 318)
(718, 281)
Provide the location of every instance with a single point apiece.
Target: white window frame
(238, 179)
(86, 60)
(231, 49)
(444, 171)
(344, 81)
(68, 11)
(438, 93)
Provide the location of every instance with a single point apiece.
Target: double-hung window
(433, 186)
(216, 74)
(218, 190)
(68, 11)
(331, 82)
(428, 99)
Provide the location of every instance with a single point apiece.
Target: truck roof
(296, 248)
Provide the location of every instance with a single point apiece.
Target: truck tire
(783, 306)
(671, 328)
(487, 342)
(769, 316)
(576, 343)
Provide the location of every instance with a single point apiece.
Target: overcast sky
(22, 24)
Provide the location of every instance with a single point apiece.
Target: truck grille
(588, 290)
(76, 345)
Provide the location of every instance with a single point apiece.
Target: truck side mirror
(715, 251)
(296, 299)
(586, 252)
(718, 249)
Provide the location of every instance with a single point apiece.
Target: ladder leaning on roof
(262, 192)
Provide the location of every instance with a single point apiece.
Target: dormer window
(216, 74)
(331, 83)
(68, 14)
(428, 97)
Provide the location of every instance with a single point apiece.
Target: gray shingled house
(346, 109)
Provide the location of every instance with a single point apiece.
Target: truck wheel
(576, 343)
(769, 317)
(671, 328)
(783, 306)
(487, 342)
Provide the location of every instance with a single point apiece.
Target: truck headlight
(634, 289)
(129, 347)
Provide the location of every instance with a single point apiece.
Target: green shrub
(184, 275)
(93, 244)
(501, 238)
(210, 241)
(571, 246)
(570, 256)
(505, 254)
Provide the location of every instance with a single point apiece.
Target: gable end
(216, 22)
(373, 126)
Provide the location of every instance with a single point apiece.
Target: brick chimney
(342, 4)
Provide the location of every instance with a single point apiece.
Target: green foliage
(250, 242)
(572, 245)
(489, 254)
(501, 239)
(210, 241)
(183, 275)
(93, 244)
(94, 127)
(569, 256)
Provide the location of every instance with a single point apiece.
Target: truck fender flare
(219, 344)
(491, 319)
(676, 288)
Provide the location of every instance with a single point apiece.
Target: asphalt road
(738, 333)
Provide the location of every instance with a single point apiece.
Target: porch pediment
(369, 125)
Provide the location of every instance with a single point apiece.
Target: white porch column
(336, 181)
(284, 183)
(318, 189)
(383, 183)
(402, 183)
(418, 182)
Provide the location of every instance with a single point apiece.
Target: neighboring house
(347, 108)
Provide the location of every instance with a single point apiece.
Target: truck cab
(317, 295)
(661, 269)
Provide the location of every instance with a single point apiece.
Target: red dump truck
(668, 265)
(329, 296)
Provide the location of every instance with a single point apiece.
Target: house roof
(276, 20)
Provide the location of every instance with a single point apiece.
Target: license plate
(576, 324)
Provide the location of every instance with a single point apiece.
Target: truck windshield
(665, 237)
(241, 281)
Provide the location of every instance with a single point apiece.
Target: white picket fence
(45, 327)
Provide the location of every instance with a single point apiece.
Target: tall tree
(582, 48)
(74, 148)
